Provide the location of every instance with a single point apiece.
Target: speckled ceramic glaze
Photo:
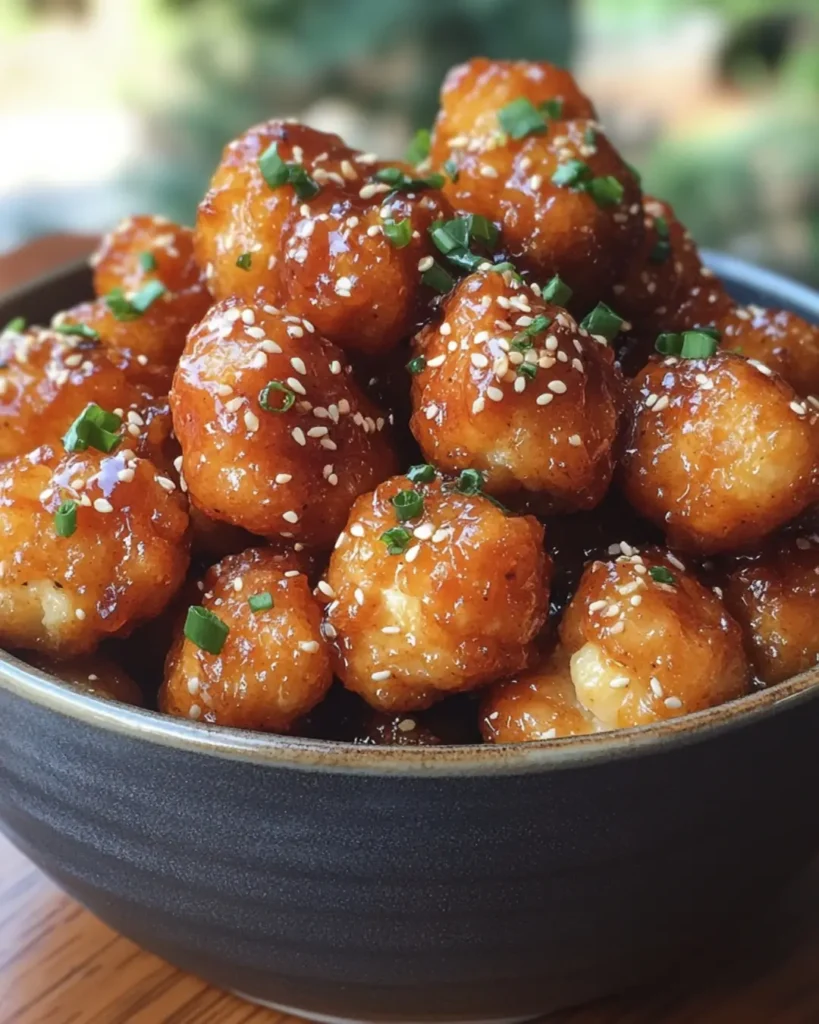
(398, 884)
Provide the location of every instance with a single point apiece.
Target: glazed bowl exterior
(412, 884)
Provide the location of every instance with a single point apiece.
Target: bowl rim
(267, 749)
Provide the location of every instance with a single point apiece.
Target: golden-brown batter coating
(565, 201)
(774, 596)
(325, 254)
(720, 451)
(454, 607)
(781, 340)
(512, 386)
(276, 436)
(649, 642)
(539, 704)
(665, 286)
(274, 665)
(95, 674)
(128, 553)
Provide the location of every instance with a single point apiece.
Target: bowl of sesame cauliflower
(409, 574)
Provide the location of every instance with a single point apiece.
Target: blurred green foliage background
(109, 106)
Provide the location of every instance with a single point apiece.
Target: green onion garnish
(523, 340)
(700, 343)
(266, 402)
(125, 309)
(606, 191)
(553, 108)
(65, 519)
(78, 330)
(418, 149)
(205, 629)
(660, 574)
(93, 428)
(454, 237)
(451, 169)
(501, 268)
(527, 370)
(304, 186)
(417, 365)
(590, 135)
(422, 473)
(602, 321)
(15, 326)
(661, 249)
(244, 261)
(399, 233)
(437, 278)
(147, 295)
(521, 118)
(403, 182)
(277, 173)
(147, 261)
(557, 291)
(396, 539)
(470, 482)
(260, 602)
(408, 505)
(571, 173)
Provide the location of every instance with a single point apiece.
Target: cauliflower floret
(94, 674)
(719, 452)
(648, 641)
(432, 591)
(112, 558)
(273, 665)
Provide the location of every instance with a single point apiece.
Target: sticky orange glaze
(326, 256)
(457, 609)
(719, 452)
(94, 674)
(546, 435)
(274, 666)
(291, 475)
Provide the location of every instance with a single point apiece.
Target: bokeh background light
(109, 107)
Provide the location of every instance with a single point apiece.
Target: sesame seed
(391, 630)
(557, 386)
(80, 614)
(574, 440)
(193, 686)
(298, 436)
(46, 494)
(369, 190)
(343, 286)
(125, 476)
(296, 385)
(661, 403)
(165, 483)
(290, 517)
(520, 384)
(488, 171)
(618, 627)
(308, 646)
(436, 361)
(335, 367)
(535, 181)
(357, 530)
(544, 399)
(194, 711)
(298, 364)
(412, 553)
(431, 411)
(103, 505)
(223, 390)
(445, 328)
(248, 316)
(328, 630)
(656, 687)
(481, 337)
(381, 675)
(494, 394)
(675, 561)
(425, 263)
(326, 589)
(358, 594)
(254, 332)
(673, 703)
(619, 682)
(234, 404)
(270, 346)
(439, 536)
(798, 408)
(283, 478)
(760, 366)
(251, 421)
(597, 606)
(238, 584)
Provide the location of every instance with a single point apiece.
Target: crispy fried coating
(536, 411)
(327, 254)
(648, 641)
(719, 451)
(95, 674)
(274, 666)
(456, 607)
(276, 436)
(127, 556)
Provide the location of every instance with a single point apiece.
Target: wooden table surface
(60, 965)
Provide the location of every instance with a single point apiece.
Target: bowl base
(324, 1018)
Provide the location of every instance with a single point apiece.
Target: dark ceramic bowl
(396, 884)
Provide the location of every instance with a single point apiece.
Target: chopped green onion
(606, 191)
(205, 629)
(470, 482)
(277, 173)
(125, 309)
(261, 602)
(286, 402)
(65, 519)
(399, 233)
(451, 169)
(602, 321)
(501, 268)
(557, 291)
(304, 186)
(93, 428)
(408, 505)
(552, 108)
(147, 261)
(660, 574)
(668, 343)
(418, 149)
(121, 307)
(712, 332)
(523, 340)
(437, 278)
(403, 182)
(521, 118)
(527, 370)
(571, 173)
(79, 330)
(454, 237)
(590, 135)
(417, 365)
(661, 249)
(397, 540)
(147, 295)
(422, 473)
(700, 343)
(244, 261)
(15, 326)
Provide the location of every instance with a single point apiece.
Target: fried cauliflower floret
(276, 437)
(648, 642)
(323, 251)
(565, 201)
(511, 386)
(121, 565)
(539, 704)
(665, 286)
(445, 599)
(774, 596)
(274, 665)
(719, 451)
(779, 339)
(94, 674)
(47, 379)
